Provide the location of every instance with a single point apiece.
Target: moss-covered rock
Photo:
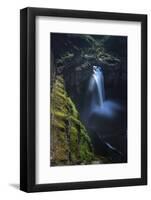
(70, 143)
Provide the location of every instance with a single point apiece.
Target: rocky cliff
(70, 143)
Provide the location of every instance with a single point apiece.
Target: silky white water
(95, 101)
(96, 86)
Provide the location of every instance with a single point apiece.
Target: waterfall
(96, 85)
(102, 116)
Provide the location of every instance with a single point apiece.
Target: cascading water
(97, 86)
(95, 102)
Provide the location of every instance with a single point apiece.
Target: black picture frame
(28, 98)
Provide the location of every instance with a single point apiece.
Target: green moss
(74, 144)
(74, 112)
(59, 145)
(70, 143)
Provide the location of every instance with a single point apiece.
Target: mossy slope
(70, 143)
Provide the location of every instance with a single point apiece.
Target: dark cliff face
(74, 56)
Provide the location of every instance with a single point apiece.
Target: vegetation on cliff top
(74, 49)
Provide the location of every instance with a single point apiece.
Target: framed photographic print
(83, 98)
